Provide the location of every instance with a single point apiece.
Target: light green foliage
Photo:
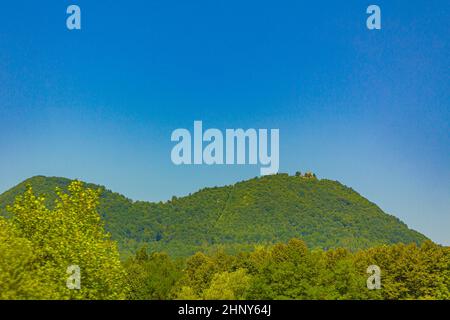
(228, 286)
(71, 233)
(19, 277)
(411, 271)
(291, 271)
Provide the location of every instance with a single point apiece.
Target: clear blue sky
(368, 108)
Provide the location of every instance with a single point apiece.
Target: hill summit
(262, 210)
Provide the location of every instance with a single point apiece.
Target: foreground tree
(410, 271)
(19, 278)
(70, 234)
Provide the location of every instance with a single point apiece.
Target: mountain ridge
(262, 210)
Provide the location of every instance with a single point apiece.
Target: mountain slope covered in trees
(264, 210)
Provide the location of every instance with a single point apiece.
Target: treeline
(291, 271)
(40, 244)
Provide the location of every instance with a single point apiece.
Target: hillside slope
(262, 210)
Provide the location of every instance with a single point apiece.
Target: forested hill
(262, 210)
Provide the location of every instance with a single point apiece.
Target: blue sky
(368, 108)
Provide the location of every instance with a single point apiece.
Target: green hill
(262, 210)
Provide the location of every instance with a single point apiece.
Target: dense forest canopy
(39, 241)
(264, 210)
(292, 271)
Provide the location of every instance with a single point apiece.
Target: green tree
(71, 233)
(228, 286)
(19, 276)
(152, 276)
